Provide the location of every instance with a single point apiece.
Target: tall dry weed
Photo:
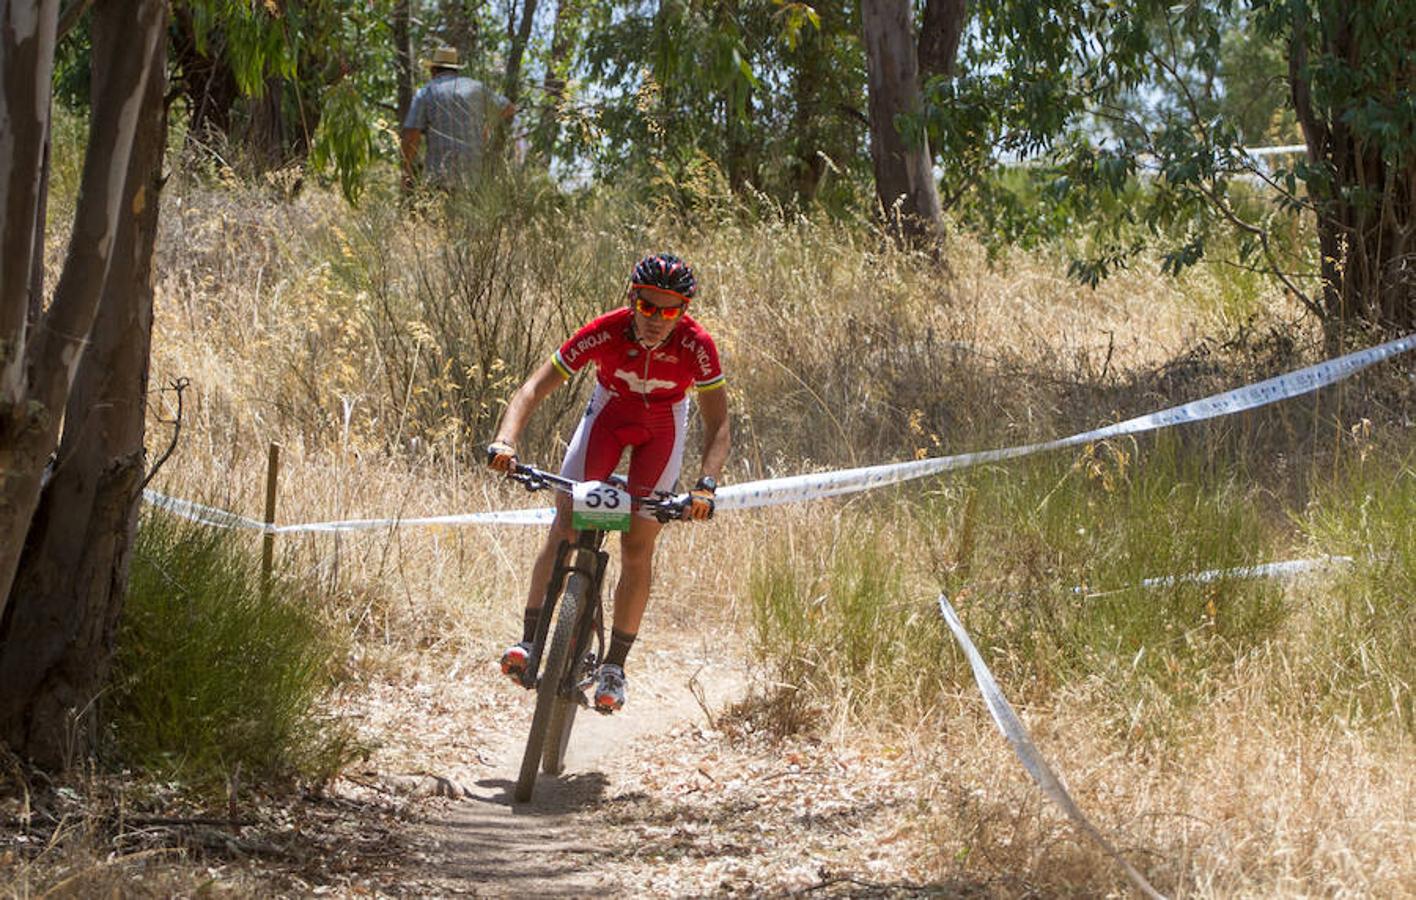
(376, 345)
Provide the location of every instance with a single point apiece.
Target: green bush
(1361, 664)
(1045, 559)
(212, 673)
(465, 299)
(850, 635)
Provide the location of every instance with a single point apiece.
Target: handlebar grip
(672, 509)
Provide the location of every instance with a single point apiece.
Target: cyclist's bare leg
(546, 559)
(631, 596)
(636, 572)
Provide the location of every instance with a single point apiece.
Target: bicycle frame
(575, 586)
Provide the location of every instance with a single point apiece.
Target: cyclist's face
(649, 322)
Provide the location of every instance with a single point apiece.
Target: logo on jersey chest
(642, 385)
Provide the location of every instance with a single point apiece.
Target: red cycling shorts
(653, 433)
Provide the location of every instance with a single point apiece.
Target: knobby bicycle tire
(563, 713)
(558, 658)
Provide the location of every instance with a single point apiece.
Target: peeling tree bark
(125, 37)
(57, 640)
(27, 33)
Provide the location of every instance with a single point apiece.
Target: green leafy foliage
(213, 674)
(763, 90)
(344, 141)
(1110, 130)
(1171, 94)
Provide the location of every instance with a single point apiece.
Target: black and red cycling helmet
(665, 272)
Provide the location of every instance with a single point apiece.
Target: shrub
(212, 672)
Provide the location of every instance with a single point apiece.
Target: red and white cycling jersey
(639, 401)
(687, 358)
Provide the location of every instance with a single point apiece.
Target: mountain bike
(573, 600)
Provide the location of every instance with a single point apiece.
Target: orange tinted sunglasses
(649, 310)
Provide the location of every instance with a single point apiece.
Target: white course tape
(771, 492)
(199, 512)
(1012, 727)
(818, 486)
(210, 515)
(1287, 568)
(541, 516)
(1284, 569)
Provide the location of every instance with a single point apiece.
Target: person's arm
(713, 407)
(717, 436)
(411, 138)
(527, 397)
(415, 122)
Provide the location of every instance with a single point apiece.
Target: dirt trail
(679, 794)
(489, 845)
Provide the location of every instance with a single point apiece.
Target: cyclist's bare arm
(527, 397)
(717, 439)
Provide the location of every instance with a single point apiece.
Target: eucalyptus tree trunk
(939, 32)
(59, 611)
(27, 34)
(403, 60)
(904, 169)
(36, 370)
(1366, 203)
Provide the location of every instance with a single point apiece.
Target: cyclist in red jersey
(647, 356)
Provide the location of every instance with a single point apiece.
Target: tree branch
(179, 386)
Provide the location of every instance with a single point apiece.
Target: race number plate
(598, 505)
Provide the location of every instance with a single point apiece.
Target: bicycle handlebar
(666, 507)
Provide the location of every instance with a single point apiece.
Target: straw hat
(445, 58)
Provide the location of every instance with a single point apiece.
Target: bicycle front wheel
(559, 658)
(566, 705)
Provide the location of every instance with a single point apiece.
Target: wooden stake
(268, 539)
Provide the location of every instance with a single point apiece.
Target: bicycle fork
(587, 558)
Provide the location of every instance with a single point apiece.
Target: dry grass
(1252, 804)
(840, 349)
